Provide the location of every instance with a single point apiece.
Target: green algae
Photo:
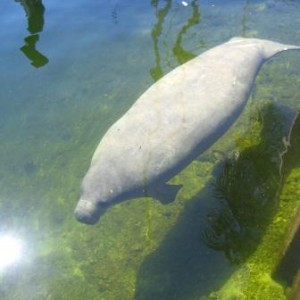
(247, 188)
(256, 273)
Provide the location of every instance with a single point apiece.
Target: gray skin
(174, 121)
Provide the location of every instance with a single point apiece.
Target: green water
(69, 70)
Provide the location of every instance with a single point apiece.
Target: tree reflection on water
(34, 10)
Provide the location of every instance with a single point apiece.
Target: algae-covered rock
(254, 278)
(247, 188)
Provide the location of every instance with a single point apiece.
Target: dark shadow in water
(181, 55)
(34, 10)
(247, 190)
(183, 268)
(229, 215)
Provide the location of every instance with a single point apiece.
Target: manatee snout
(87, 212)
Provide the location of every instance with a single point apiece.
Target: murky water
(69, 70)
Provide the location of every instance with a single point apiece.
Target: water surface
(69, 70)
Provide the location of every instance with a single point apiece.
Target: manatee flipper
(165, 193)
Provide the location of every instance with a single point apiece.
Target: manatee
(170, 124)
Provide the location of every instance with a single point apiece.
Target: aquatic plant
(254, 279)
(247, 189)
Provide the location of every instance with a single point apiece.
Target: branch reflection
(34, 10)
(179, 52)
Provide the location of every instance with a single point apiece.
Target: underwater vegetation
(247, 188)
(143, 250)
(251, 223)
(231, 214)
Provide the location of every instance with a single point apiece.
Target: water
(68, 71)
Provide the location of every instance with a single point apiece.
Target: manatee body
(175, 120)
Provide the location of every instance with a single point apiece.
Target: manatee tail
(272, 48)
(268, 48)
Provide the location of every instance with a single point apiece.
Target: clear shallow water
(92, 60)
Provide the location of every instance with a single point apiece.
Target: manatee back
(182, 114)
(186, 111)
